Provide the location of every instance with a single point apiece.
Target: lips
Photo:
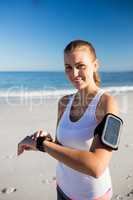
(77, 79)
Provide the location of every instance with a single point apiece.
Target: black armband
(109, 130)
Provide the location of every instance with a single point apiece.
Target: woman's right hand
(39, 137)
(41, 133)
(30, 142)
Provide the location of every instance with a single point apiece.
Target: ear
(96, 65)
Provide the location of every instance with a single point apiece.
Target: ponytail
(96, 78)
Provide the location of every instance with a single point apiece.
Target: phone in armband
(109, 130)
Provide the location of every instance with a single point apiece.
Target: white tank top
(79, 135)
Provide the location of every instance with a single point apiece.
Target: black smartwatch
(39, 142)
(109, 130)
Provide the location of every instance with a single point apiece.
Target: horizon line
(108, 71)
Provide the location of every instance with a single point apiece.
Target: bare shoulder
(64, 100)
(107, 104)
(110, 103)
(62, 103)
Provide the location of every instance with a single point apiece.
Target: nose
(75, 72)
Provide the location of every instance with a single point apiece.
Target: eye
(68, 68)
(81, 66)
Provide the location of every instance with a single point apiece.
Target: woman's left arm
(102, 152)
(93, 162)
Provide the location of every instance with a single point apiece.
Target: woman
(82, 171)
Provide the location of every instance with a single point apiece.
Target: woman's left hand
(26, 144)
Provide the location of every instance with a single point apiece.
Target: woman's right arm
(29, 142)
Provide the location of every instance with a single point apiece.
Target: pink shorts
(62, 196)
(106, 196)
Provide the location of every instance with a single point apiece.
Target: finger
(20, 150)
(43, 133)
(35, 135)
(32, 136)
(38, 134)
(27, 148)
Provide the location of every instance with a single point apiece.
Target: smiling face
(79, 68)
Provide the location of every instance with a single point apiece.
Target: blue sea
(35, 84)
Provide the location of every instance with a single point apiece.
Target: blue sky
(33, 33)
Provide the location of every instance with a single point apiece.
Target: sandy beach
(31, 176)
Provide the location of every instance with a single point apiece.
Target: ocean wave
(119, 89)
(34, 94)
(57, 93)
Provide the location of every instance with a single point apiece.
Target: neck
(89, 90)
(87, 93)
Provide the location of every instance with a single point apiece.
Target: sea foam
(57, 93)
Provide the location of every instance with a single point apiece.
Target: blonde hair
(81, 44)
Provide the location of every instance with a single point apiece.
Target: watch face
(112, 131)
